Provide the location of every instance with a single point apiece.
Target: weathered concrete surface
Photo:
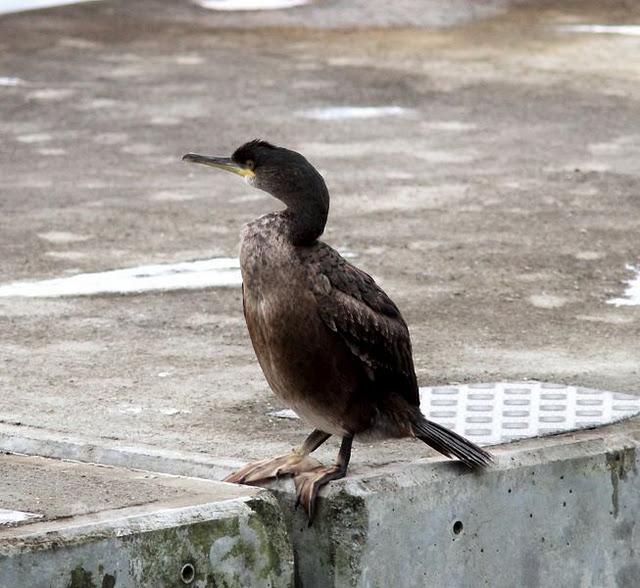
(47, 443)
(558, 511)
(499, 214)
(107, 527)
(321, 14)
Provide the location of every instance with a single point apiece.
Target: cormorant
(332, 345)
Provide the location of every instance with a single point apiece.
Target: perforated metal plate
(506, 411)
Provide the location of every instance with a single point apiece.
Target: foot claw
(308, 485)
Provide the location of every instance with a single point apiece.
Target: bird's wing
(351, 304)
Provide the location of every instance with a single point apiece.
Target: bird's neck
(306, 218)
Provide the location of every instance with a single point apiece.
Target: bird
(331, 343)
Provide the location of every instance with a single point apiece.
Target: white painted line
(233, 5)
(217, 272)
(206, 273)
(10, 517)
(352, 112)
(8, 6)
(632, 292)
(599, 29)
(10, 81)
(286, 413)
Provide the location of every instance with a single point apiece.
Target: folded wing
(352, 305)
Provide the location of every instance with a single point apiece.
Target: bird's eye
(250, 164)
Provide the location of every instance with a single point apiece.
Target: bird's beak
(225, 163)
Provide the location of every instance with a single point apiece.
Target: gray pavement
(499, 209)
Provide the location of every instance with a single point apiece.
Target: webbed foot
(255, 472)
(308, 485)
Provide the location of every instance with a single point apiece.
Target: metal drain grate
(506, 411)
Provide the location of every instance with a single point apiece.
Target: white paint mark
(22, 5)
(54, 151)
(77, 43)
(167, 121)
(547, 301)
(250, 4)
(206, 273)
(35, 138)
(399, 175)
(63, 237)
(99, 104)
(51, 94)
(598, 29)
(632, 292)
(188, 59)
(286, 413)
(164, 374)
(347, 61)
(69, 255)
(218, 272)
(8, 517)
(10, 82)
(459, 156)
(448, 125)
(588, 255)
(352, 112)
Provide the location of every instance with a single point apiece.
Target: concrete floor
(499, 210)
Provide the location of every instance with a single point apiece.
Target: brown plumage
(332, 345)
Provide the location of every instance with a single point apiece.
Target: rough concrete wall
(565, 516)
(245, 544)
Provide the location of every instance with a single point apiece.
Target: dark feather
(450, 443)
(351, 304)
(247, 151)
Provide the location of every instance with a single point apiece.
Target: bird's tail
(450, 444)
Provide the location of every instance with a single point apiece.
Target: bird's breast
(296, 351)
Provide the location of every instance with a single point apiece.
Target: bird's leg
(309, 483)
(294, 463)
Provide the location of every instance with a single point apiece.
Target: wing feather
(351, 304)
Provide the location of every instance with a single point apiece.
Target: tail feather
(451, 444)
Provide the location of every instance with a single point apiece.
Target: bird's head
(283, 173)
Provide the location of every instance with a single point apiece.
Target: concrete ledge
(154, 531)
(556, 511)
(46, 443)
(552, 511)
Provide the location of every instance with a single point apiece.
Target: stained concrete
(106, 526)
(555, 511)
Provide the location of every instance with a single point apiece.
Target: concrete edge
(379, 508)
(551, 511)
(27, 440)
(46, 443)
(524, 453)
(118, 523)
(234, 543)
